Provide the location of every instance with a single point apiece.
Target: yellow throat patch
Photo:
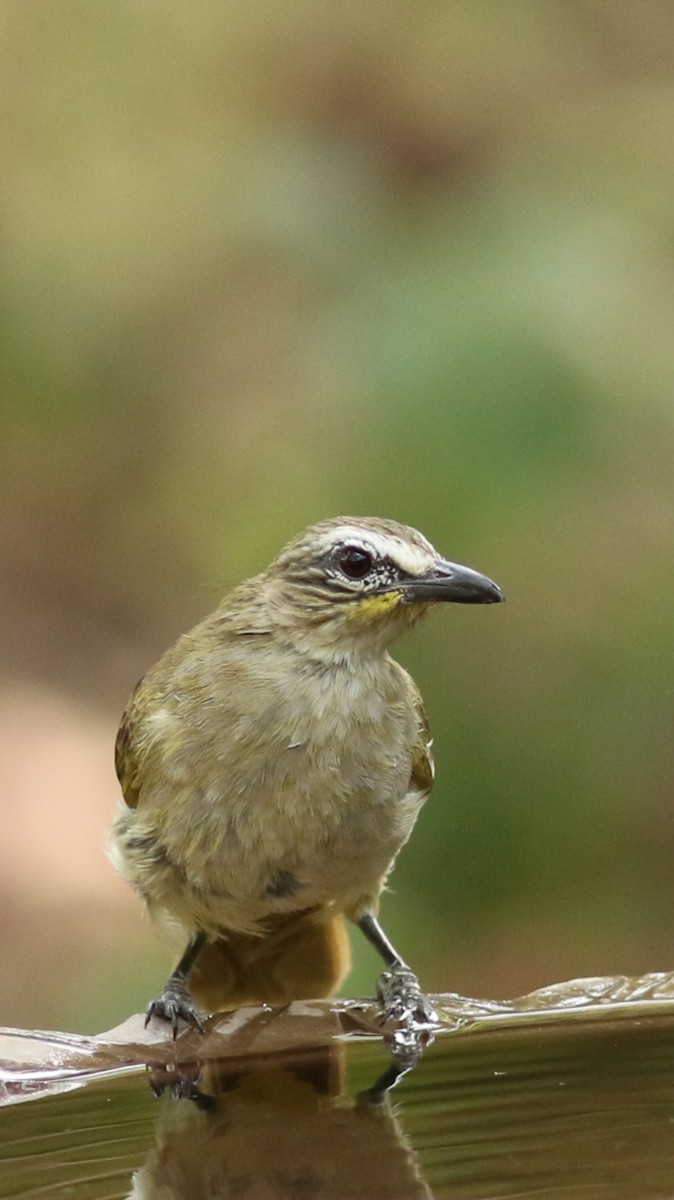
(375, 606)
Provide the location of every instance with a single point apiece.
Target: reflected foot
(174, 1005)
(181, 1082)
(402, 999)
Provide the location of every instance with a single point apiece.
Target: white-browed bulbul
(274, 762)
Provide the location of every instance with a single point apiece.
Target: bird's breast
(301, 775)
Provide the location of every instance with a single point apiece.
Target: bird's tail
(299, 957)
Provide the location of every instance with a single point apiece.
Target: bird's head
(362, 580)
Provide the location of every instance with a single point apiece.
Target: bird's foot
(180, 1081)
(409, 1020)
(174, 1005)
(402, 999)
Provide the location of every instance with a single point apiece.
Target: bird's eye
(354, 562)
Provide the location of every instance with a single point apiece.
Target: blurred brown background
(262, 264)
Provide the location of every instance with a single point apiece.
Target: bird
(272, 765)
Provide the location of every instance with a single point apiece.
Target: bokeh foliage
(262, 264)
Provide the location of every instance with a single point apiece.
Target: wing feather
(423, 764)
(126, 764)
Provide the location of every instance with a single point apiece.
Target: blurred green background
(263, 264)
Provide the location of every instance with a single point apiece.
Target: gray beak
(451, 581)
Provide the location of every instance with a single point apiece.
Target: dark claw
(402, 999)
(178, 1080)
(174, 1005)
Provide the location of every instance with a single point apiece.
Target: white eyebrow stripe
(413, 560)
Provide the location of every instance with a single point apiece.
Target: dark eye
(354, 562)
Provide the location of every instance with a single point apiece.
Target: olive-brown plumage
(274, 762)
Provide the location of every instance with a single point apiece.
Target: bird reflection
(281, 1127)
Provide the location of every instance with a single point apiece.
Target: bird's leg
(398, 988)
(398, 1068)
(174, 1002)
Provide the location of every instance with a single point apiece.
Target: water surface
(579, 1108)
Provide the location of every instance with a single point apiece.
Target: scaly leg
(175, 1002)
(398, 988)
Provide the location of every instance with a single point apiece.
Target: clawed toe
(174, 1005)
(402, 999)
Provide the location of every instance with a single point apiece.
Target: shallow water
(580, 1109)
